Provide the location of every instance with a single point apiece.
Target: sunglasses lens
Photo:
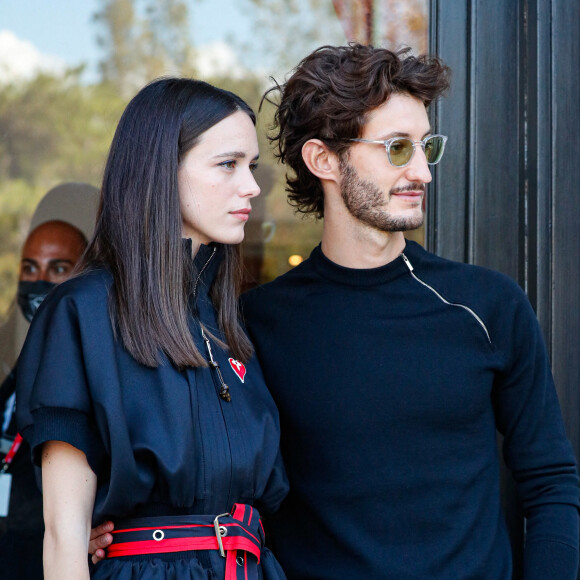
(400, 151)
(434, 147)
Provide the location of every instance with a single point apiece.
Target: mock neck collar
(366, 276)
(205, 264)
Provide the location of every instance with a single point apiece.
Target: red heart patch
(238, 368)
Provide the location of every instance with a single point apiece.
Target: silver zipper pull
(224, 391)
(406, 260)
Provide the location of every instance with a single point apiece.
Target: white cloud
(218, 59)
(21, 60)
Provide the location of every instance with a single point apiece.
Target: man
(391, 367)
(74, 203)
(48, 258)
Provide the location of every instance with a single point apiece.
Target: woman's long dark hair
(138, 230)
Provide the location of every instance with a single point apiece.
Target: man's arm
(100, 540)
(536, 448)
(545, 556)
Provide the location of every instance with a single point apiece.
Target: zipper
(466, 308)
(224, 390)
(201, 271)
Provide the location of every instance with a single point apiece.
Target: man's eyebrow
(402, 134)
(57, 260)
(31, 260)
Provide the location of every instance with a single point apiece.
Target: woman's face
(216, 182)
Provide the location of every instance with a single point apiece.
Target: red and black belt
(238, 536)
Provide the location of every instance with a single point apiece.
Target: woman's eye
(253, 167)
(228, 164)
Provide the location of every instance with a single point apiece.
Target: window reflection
(390, 23)
(58, 121)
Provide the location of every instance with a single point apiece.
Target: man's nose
(41, 275)
(418, 168)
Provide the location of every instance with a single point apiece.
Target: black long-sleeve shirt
(390, 384)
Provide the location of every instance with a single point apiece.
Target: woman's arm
(68, 489)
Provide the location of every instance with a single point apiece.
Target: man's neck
(357, 246)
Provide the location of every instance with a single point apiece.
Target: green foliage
(17, 202)
(142, 40)
(55, 129)
(52, 130)
(285, 31)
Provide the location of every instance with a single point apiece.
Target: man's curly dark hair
(329, 96)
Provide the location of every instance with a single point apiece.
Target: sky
(54, 34)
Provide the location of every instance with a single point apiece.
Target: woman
(138, 391)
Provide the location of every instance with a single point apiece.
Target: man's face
(378, 194)
(50, 252)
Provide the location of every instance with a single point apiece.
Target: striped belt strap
(238, 536)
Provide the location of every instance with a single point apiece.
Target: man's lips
(414, 196)
(410, 192)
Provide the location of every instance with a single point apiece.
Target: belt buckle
(220, 532)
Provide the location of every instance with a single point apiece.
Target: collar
(205, 264)
(366, 276)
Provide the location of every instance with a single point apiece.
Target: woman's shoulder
(86, 285)
(86, 292)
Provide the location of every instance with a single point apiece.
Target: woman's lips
(242, 214)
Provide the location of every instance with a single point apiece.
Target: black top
(390, 384)
(160, 441)
(22, 530)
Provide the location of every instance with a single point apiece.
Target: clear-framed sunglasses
(400, 150)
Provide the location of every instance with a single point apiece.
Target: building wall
(507, 193)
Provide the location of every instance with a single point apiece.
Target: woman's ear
(321, 161)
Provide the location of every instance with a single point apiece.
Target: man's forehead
(50, 251)
(401, 114)
(53, 240)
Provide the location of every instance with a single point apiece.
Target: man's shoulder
(461, 275)
(495, 297)
(284, 285)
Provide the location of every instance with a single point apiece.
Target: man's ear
(321, 161)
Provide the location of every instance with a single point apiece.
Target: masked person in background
(48, 258)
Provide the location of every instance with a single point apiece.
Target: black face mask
(31, 294)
